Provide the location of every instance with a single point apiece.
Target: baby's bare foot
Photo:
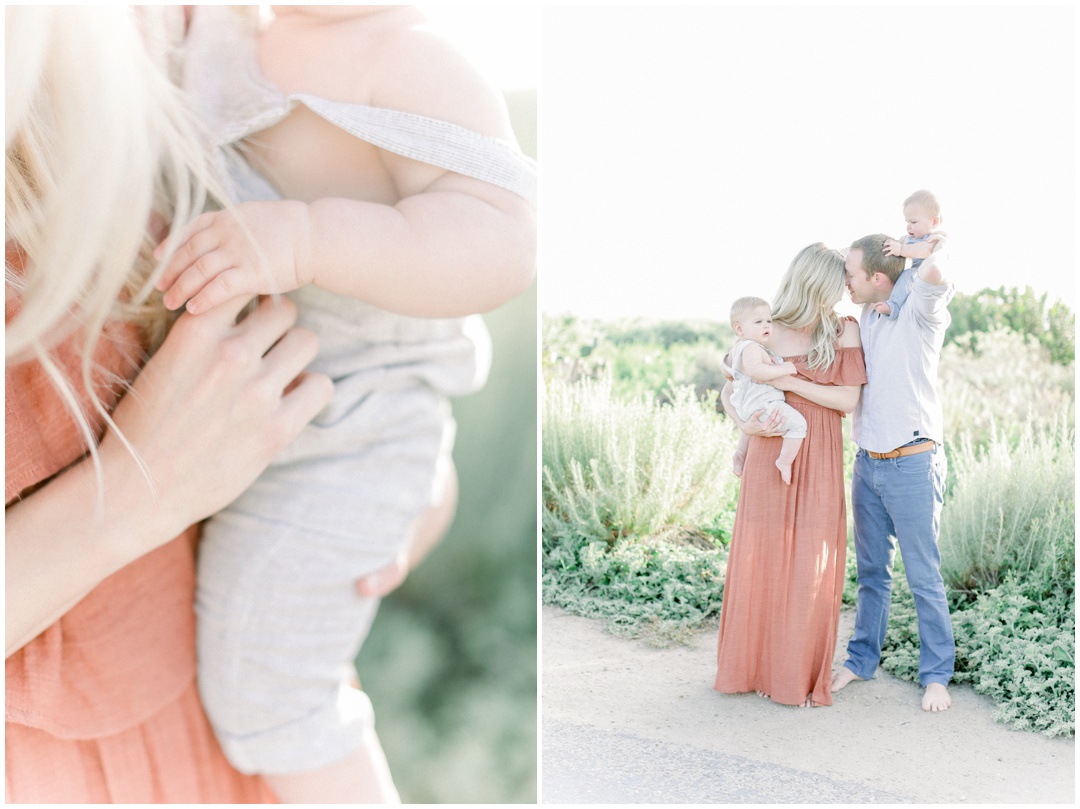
(785, 469)
(936, 698)
(737, 462)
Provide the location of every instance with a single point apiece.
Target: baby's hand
(881, 308)
(255, 248)
(891, 247)
(789, 367)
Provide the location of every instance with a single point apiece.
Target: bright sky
(689, 152)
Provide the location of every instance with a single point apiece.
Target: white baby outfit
(749, 396)
(279, 619)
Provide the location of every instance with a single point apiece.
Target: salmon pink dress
(785, 574)
(102, 706)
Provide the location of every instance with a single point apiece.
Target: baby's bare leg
(739, 459)
(788, 452)
(362, 777)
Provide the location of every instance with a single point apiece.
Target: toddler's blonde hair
(925, 200)
(744, 305)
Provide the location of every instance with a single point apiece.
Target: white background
(689, 152)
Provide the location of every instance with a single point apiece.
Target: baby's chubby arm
(759, 366)
(450, 245)
(893, 247)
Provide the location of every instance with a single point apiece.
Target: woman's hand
(205, 416)
(212, 407)
(764, 424)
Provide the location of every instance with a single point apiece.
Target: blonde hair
(811, 287)
(925, 200)
(744, 305)
(97, 139)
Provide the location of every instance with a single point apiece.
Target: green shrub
(1000, 383)
(1011, 510)
(638, 499)
(1015, 649)
(1020, 311)
(620, 468)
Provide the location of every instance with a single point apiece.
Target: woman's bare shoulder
(850, 336)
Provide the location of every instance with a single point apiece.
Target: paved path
(627, 723)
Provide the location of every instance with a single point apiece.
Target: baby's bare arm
(439, 244)
(759, 366)
(452, 244)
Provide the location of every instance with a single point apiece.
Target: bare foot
(785, 469)
(842, 677)
(936, 698)
(762, 694)
(737, 462)
(809, 701)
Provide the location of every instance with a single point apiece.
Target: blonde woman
(104, 478)
(785, 570)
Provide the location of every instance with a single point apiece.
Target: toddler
(378, 183)
(753, 366)
(923, 216)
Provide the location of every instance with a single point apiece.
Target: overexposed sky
(689, 152)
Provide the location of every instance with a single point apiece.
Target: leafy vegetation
(630, 423)
(638, 498)
(1022, 312)
(450, 664)
(451, 660)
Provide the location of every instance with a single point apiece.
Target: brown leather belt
(899, 452)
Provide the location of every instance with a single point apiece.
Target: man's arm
(935, 269)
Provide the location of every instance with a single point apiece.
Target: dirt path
(627, 723)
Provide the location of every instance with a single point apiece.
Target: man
(899, 478)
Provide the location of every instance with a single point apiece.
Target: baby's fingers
(223, 286)
(203, 274)
(193, 239)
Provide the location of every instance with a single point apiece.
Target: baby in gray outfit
(753, 366)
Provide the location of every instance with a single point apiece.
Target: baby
(378, 183)
(753, 366)
(923, 216)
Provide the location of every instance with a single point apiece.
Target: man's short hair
(873, 260)
(744, 305)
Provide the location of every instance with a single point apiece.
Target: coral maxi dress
(102, 706)
(785, 573)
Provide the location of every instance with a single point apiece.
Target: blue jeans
(898, 500)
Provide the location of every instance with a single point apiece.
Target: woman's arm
(206, 415)
(837, 397)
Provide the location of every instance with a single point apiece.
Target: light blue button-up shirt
(900, 402)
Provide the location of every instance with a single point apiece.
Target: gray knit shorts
(279, 618)
(748, 397)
